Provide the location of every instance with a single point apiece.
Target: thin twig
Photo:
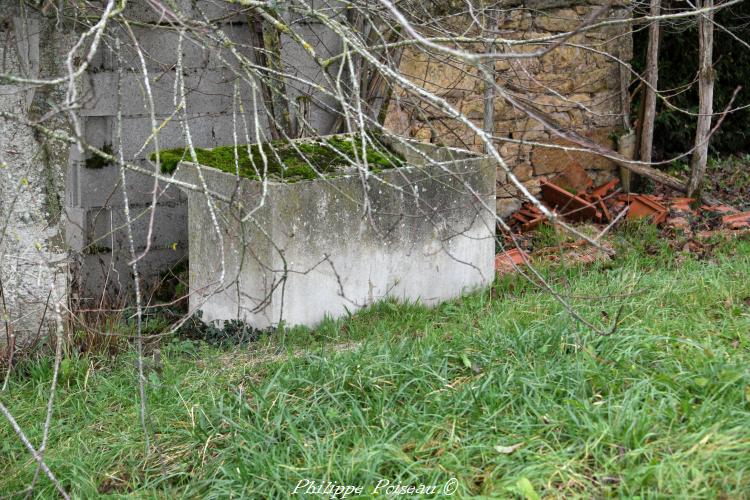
(33, 452)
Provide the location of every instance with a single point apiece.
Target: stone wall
(578, 88)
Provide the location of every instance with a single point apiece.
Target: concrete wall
(32, 254)
(94, 201)
(94, 198)
(310, 250)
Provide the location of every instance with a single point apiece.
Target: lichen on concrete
(33, 261)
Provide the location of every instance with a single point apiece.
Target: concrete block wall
(321, 113)
(94, 198)
(95, 220)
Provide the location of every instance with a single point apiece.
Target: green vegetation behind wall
(674, 132)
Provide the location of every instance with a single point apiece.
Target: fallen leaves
(507, 450)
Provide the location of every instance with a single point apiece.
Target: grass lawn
(500, 390)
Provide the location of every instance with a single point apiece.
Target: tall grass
(500, 390)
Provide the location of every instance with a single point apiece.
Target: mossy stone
(288, 161)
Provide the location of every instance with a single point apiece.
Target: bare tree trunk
(652, 79)
(489, 103)
(489, 81)
(706, 98)
(267, 47)
(626, 143)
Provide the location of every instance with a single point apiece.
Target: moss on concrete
(97, 161)
(287, 161)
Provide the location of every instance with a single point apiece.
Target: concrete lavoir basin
(326, 247)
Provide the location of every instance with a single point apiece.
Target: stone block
(506, 206)
(510, 150)
(523, 172)
(397, 119)
(560, 20)
(102, 187)
(561, 83)
(502, 65)
(529, 130)
(554, 159)
(107, 277)
(533, 186)
(437, 76)
(547, 103)
(547, 166)
(207, 91)
(562, 58)
(422, 134)
(531, 135)
(307, 253)
(516, 19)
(453, 133)
(597, 79)
(502, 109)
(473, 108)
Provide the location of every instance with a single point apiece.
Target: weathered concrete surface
(94, 203)
(211, 73)
(33, 262)
(309, 249)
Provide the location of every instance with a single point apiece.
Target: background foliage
(678, 65)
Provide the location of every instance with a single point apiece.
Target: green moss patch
(97, 161)
(288, 161)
